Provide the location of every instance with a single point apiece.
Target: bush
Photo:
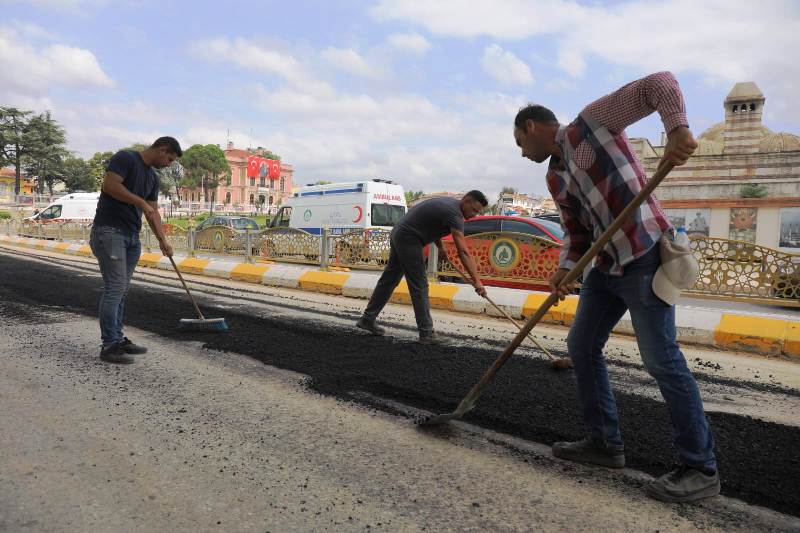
(4, 215)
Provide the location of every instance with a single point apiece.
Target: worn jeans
(603, 301)
(117, 253)
(405, 258)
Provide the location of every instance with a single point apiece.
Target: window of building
(252, 197)
(735, 108)
(228, 197)
(283, 183)
(262, 182)
(252, 183)
(752, 107)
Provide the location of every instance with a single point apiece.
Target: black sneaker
(370, 326)
(432, 338)
(115, 353)
(131, 348)
(684, 484)
(592, 452)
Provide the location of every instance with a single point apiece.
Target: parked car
(233, 222)
(217, 241)
(535, 227)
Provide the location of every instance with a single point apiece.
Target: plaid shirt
(599, 174)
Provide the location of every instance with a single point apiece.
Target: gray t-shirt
(432, 219)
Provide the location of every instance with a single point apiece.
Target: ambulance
(343, 207)
(75, 207)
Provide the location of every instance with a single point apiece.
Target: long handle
(466, 404)
(519, 327)
(502, 311)
(178, 272)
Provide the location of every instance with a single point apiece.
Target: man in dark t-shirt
(425, 223)
(130, 188)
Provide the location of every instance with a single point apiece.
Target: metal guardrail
(745, 271)
(729, 270)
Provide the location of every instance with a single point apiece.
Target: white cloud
(726, 40)
(411, 42)
(32, 70)
(349, 60)
(504, 66)
(251, 56)
(61, 5)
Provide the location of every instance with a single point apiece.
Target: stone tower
(743, 108)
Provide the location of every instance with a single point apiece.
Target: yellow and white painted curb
(735, 331)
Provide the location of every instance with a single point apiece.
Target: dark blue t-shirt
(139, 179)
(432, 219)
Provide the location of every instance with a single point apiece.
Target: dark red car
(510, 262)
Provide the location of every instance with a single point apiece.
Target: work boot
(131, 348)
(592, 452)
(369, 325)
(431, 337)
(115, 353)
(684, 484)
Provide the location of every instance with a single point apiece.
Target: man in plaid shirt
(592, 175)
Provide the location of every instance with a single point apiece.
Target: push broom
(201, 323)
(469, 400)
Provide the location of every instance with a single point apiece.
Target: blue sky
(420, 91)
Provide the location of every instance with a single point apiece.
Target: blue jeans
(117, 253)
(603, 301)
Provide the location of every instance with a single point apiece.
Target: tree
(15, 142)
(47, 151)
(98, 165)
(77, 175)
(169, 178)
(263, 152)
(413, 195)
(205, 166)
(753, 190)
(322, 182)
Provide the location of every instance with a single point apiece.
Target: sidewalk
(748, 332)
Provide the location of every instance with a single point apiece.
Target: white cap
(679, 270)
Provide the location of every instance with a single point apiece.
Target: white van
(343, 207)
(77, 207)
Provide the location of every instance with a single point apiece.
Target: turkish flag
(274, 169)
(252, 166)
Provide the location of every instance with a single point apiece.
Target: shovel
(469, 400)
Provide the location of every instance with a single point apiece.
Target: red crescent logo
(360, 213)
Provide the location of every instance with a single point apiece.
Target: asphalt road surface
(293, 420)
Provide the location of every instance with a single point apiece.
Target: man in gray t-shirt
(424, 224)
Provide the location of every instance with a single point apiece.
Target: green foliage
(47, 151)
(322, 182)
(77, 175)
(753, 190)
(205, 166)
(5, 215)
(136, 147)
(98, 165)
(169, 179)
(15, 141)
(413, 195)
(263, 152)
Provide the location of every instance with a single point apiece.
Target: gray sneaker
(684, 484)
(432, 338)
(590, 451)
(115, 353)
(131, 348)
(370, 326)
